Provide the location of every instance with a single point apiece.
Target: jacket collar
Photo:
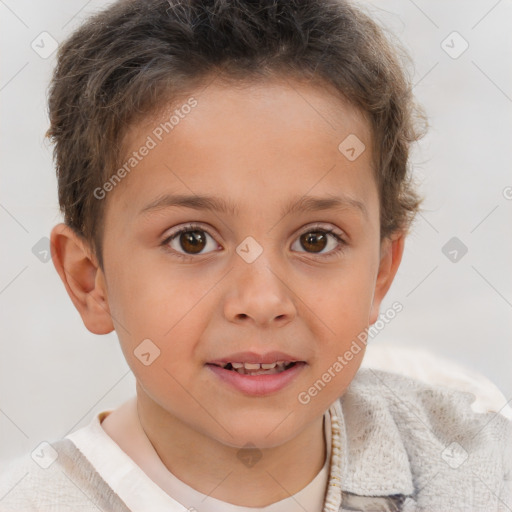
(375, 461)
(368, 456)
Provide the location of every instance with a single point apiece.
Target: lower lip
(257, 385)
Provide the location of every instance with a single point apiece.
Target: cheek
(342, 309)
(167, 384)
(152, 298)
(342, 299)
(170, 307)
(164, 365)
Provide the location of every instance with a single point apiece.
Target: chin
(251, 429)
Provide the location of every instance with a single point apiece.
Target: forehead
(316, 104)
(279, 138)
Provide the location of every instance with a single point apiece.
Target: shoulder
(54, 474)
(448, 445)
(418, 406)
(24, 484)
(395, 388)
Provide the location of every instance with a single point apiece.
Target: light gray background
(54, 374)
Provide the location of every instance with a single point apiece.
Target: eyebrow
(217, 204)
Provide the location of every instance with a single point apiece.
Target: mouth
(257, 368)
(257, 379)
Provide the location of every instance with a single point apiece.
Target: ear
(391, 252)
(82, 277)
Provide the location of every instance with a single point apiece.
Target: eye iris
(193, 241)
(309, 239)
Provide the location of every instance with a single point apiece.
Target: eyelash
(197, 227)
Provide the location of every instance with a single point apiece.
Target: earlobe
(82, 278)
(391, 255)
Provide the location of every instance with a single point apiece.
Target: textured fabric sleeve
(68, 484)
(433, 369)
(505, 496)
(461, 459)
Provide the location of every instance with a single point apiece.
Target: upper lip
(253, 357)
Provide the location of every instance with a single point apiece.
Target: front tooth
(237, 365)
(252, 366)
(268, 366)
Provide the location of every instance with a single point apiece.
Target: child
(203, 149)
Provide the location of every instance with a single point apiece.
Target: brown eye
(324, 242)
(192, 241)
(314, 241)
(189, 241)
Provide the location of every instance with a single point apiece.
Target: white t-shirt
(396, 444)
(165, 492)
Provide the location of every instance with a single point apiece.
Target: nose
(259, 295)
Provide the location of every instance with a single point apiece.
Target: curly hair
(127, 60)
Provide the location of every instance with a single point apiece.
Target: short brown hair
(127, 60)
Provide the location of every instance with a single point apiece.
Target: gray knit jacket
(403, 446)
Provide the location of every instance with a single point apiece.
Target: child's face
(260, 149)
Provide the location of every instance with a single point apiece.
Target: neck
(212, 468)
